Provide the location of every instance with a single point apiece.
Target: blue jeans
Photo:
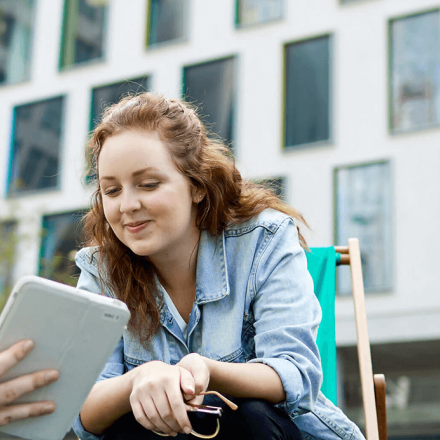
(254, 420)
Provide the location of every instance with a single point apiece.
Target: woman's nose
(130, 202)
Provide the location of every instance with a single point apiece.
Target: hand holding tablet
(66, 326)
(13, 389)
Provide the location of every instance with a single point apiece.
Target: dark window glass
(167, 20)
(8, 241)
(307, 92)
(415, 71)
(16, 18)
(212, 86)
(36, 146)
(258, 11)
(61, 239)
(107, 95)
(412, 387)
(276, 184)
(363, 210)
(83, 32)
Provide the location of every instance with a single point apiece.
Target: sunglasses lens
(203, 423)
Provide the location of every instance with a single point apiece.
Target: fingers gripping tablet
(66, 325)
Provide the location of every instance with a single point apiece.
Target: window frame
(240, 25)
(146, 77)
(28, 76)
(233, 144)
(62, 51)
(10, 157)
(331, 114)
(392, 130)
(390, 287)
(175, 41)
(269, 182)
(12, 237)
(43, 225)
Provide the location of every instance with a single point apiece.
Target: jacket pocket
(235, 356)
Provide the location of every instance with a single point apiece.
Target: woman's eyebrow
(144, 170)
(135, 173)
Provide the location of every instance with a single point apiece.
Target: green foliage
(8, 243)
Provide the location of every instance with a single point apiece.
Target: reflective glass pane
(104, 96)
(8, 241)
(275, 184)
(364, 211)
(167, 20)
(36, 145)
(61, 239)
(259, 11)
(415, 71)
(412, 387)
(16, 17)
(212, 86)
(307, 92)
(83, 32)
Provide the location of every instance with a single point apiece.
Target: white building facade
(337, 101)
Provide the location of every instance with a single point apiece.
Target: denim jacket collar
(212, 285)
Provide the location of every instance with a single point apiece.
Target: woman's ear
(198, 195)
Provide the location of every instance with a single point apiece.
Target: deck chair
(321, 263)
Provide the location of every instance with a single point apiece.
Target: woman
(214, 273)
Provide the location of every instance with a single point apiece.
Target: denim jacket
(254, 303)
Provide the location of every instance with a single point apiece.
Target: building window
(276, 184)
(307, 101)
(61, 239)
(415, 71)
(166, 21)
(83, 31)
(8, 241)
(249, 12)
(34, 162)
(211, 86)
(412, 387)
(104, 96)
(16, 20)
(363, 211)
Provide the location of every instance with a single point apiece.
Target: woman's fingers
(196, 366)
(156, 398)
(178, 411)
(12, 389)
(14, 354)
(187, 383)
(13, 413)
(140, 412)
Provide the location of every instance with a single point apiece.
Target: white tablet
(74, 331)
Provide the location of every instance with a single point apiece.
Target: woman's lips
(137, 227)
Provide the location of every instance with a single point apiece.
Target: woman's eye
(150, 185)
(109, 192)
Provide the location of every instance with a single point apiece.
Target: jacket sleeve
(89, 281)
(287, 315)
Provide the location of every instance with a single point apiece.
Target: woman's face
(149, 204)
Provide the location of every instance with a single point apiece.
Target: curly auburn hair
(205, 162)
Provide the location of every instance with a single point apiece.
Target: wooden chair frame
(373, 386)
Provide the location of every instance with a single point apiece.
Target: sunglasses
(206, 418)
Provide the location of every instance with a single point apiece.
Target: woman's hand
(157, 397)
(198, 368)
(12, 389)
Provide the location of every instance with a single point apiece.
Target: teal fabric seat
(321, 263)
